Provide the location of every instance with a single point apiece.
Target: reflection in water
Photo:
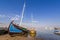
(48, 36)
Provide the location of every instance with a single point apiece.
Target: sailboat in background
(32, 30)
(57, 30)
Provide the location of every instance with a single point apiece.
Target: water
(48, 35)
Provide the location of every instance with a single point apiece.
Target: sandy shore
(8, 37)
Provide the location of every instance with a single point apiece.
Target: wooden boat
(14, 30)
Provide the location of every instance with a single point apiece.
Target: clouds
(2, 16)
(16, 17)
(35, 21)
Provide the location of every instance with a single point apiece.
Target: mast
(22, 14)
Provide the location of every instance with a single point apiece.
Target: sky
(43, 11)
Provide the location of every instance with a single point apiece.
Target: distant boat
(3, 30)
(57, 31)
(14, 29)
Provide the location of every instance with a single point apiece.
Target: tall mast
(22, 14)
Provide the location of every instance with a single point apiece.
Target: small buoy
(32, 33)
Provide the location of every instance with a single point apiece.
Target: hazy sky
(44, 11)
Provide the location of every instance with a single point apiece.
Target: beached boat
(14, 29)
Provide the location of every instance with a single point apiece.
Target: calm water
(48, 35)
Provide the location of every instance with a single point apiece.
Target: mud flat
(8, 37)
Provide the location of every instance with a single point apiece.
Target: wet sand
(8, 37)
